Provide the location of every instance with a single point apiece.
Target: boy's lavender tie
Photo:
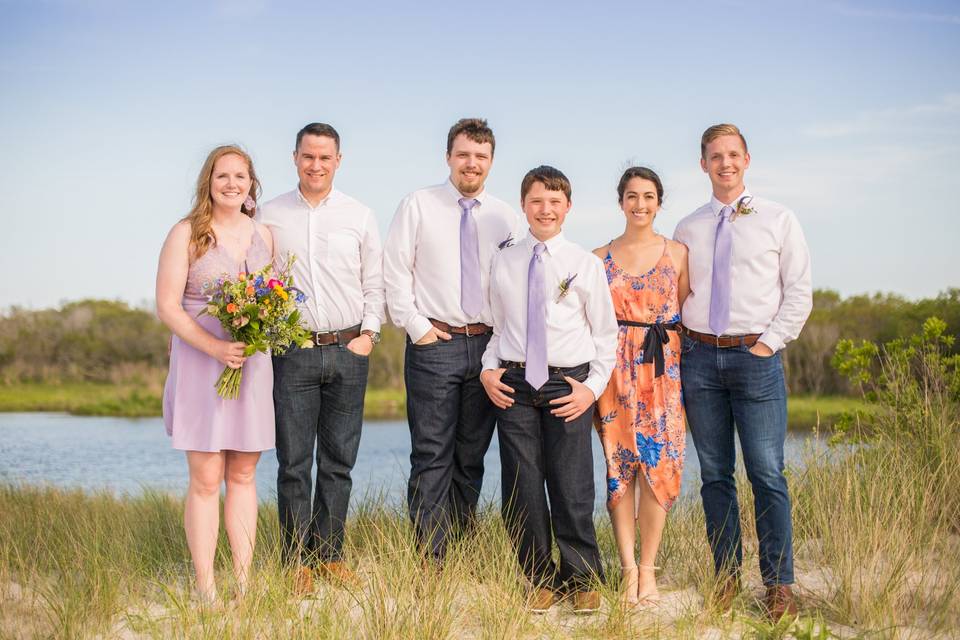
(536, 370)
(720, 286)
(471, 300)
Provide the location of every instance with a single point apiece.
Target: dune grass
(876, 554)
(876, 536)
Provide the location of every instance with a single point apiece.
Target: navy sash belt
(653, 343)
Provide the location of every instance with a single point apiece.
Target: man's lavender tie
(720, 286)
(536, 370)
(471, 299)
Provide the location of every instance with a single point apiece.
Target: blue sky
(107, 110)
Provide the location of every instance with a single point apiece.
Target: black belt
(510, 364)
(653, 343)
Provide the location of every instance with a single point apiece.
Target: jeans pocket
(356, 355)
(429, 345)
(580, 373)
(687, 344)
(747, 350)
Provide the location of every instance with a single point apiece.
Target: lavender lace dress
(194, 415)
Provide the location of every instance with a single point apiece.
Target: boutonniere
(743, 208)
(564, 287)
(509, 241)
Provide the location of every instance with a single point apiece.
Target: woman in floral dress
(640, 415)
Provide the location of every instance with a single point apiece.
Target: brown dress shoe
(725, 593)
(303, 582)
(338, 573)
(585, 602)
(541, 600)
(779, 601)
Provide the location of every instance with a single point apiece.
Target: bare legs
(201, 516)
(240, 511)
(651, 518)
(639, 581)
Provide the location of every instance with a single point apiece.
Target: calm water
(124, 456)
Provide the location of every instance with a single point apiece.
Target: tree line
(109, 341)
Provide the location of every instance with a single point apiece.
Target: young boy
(552, 351)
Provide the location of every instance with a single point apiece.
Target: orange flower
(250, 290)
(231, 308)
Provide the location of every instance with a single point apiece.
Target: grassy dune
(876, 536)
(877, 553)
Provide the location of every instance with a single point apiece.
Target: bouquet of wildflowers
(260, 310)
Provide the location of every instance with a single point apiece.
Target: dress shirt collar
(553, 244)
(456, 195)
(331, 198)
(716, 205)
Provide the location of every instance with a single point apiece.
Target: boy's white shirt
(581, 324)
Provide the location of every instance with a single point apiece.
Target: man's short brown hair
(551, 179)
(475, 129)
(717, 130)
(318, 129)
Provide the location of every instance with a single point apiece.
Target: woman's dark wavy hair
(639, 172)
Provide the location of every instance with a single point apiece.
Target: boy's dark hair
(318, 129)
(475, 129)
(552, 179)
(639, 172)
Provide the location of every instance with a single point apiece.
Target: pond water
(125, 456)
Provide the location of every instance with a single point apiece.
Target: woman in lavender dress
(222, 438)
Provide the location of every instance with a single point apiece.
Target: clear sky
(108, 108)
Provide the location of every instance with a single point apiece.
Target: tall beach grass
(877, 538)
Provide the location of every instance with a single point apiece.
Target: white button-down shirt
(771, 291)
(421, 259)
(339, 258)
(581, 324)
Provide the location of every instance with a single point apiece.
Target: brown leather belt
(722, 342)
(343, 336)
(476, 329)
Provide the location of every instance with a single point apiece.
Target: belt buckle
(316, 338)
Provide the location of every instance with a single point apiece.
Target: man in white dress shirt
(436, 270)
(318, 393)
(750, 294)
(552, 352)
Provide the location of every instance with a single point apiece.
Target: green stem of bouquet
(228, 384)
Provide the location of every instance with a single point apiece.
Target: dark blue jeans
(537, 449)
(723, 390)
(318, 395)
(451, 424)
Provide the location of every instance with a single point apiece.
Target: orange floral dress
(639, 417)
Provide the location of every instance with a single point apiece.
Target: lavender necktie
(536, 370)
(720, 286)
(471, 300)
